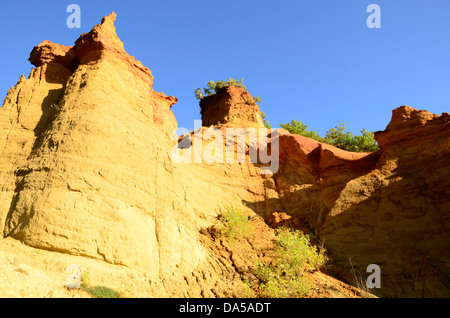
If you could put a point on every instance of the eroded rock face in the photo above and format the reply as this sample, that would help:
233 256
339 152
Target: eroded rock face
85 166
231 107
390 208
86 169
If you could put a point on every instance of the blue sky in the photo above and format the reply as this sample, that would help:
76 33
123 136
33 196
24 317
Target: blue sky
309 60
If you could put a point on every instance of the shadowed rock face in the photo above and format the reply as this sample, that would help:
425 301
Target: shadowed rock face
390 208
86 169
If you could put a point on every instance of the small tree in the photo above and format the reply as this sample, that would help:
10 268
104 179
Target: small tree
216 87
298 128
337 137
347 141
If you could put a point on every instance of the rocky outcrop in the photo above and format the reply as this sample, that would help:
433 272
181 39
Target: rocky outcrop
231 107
390 208
87 169
86 165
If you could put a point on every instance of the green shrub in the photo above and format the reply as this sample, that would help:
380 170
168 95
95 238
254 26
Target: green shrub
236 223
347 141
295 247
97 291
337 137
284 276
279 283
103 292
298 128
85 279
265 121
217 86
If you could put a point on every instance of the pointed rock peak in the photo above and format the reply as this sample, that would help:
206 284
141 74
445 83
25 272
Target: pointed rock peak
111 18
107 26
102 42
102 36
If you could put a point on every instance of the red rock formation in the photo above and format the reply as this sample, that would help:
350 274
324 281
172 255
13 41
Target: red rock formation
231 107
390 208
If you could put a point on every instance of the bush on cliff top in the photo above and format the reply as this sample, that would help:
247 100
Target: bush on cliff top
217 86
337 137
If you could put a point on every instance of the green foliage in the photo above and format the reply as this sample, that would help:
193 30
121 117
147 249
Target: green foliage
237 225
85 279
97 291
281 283
218 86
298 128
347 141
103 292
295 247
199 94
337 137
284 276
266 122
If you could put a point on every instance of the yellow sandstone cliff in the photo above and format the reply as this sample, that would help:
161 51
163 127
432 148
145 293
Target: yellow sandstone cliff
87 176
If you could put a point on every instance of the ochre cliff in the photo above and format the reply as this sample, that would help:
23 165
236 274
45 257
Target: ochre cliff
390 208
87 169
86 158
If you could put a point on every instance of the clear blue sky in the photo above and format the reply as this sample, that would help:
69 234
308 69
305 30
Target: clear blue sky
309 60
